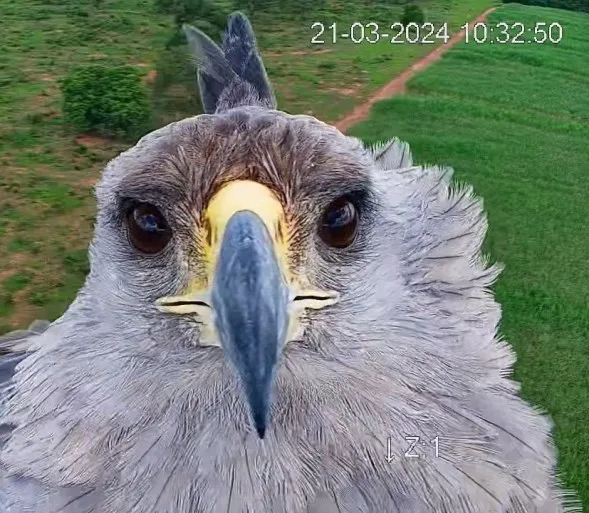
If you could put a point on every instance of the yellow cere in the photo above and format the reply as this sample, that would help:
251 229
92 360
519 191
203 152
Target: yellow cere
244 195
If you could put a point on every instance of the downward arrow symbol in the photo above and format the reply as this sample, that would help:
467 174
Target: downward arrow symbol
390 456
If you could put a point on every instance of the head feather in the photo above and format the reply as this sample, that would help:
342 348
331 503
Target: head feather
394 154
232 75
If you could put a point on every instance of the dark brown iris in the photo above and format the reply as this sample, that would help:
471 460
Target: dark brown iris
148 230
339 223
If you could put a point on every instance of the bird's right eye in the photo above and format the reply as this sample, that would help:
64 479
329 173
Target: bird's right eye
149 231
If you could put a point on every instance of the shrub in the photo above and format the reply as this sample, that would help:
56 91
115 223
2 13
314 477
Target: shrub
412 13
110 101
187 11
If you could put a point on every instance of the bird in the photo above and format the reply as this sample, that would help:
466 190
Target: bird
278 318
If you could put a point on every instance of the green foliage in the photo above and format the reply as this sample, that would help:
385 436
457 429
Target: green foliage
109 101
571 5
246 6
189 11
252 7
412 13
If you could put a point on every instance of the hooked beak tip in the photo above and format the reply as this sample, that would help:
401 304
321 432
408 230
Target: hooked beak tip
261 430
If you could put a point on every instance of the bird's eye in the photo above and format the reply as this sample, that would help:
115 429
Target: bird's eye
339 223
148 230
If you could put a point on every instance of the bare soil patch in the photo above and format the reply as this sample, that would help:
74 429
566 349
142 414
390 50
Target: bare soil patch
149 79
92 141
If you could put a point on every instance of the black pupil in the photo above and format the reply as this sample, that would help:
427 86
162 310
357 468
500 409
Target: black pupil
339 217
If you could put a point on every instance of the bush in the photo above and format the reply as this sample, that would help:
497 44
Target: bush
571 5
412 13
110 101
187 11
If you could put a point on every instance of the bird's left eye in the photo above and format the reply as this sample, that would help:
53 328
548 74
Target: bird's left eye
339 223
148 230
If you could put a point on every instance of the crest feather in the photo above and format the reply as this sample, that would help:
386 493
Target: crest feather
233 74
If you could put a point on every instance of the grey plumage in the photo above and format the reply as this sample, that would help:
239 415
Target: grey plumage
121 407
394 154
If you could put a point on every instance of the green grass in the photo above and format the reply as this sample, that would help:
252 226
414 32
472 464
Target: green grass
48 172
514 121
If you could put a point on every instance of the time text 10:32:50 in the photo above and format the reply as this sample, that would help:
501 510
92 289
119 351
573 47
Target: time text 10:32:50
428 33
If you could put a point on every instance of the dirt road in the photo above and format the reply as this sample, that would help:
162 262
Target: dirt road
397 85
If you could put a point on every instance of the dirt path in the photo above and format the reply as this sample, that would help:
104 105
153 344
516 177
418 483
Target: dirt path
397 85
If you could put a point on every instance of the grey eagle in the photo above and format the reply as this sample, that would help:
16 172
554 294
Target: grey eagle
278 319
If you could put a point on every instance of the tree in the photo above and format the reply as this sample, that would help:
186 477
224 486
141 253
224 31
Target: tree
412 13
109 101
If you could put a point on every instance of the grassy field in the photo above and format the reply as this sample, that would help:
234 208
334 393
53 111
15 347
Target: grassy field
514 121
47 172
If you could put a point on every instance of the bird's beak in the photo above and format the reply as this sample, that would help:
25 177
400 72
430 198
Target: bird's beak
250 301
